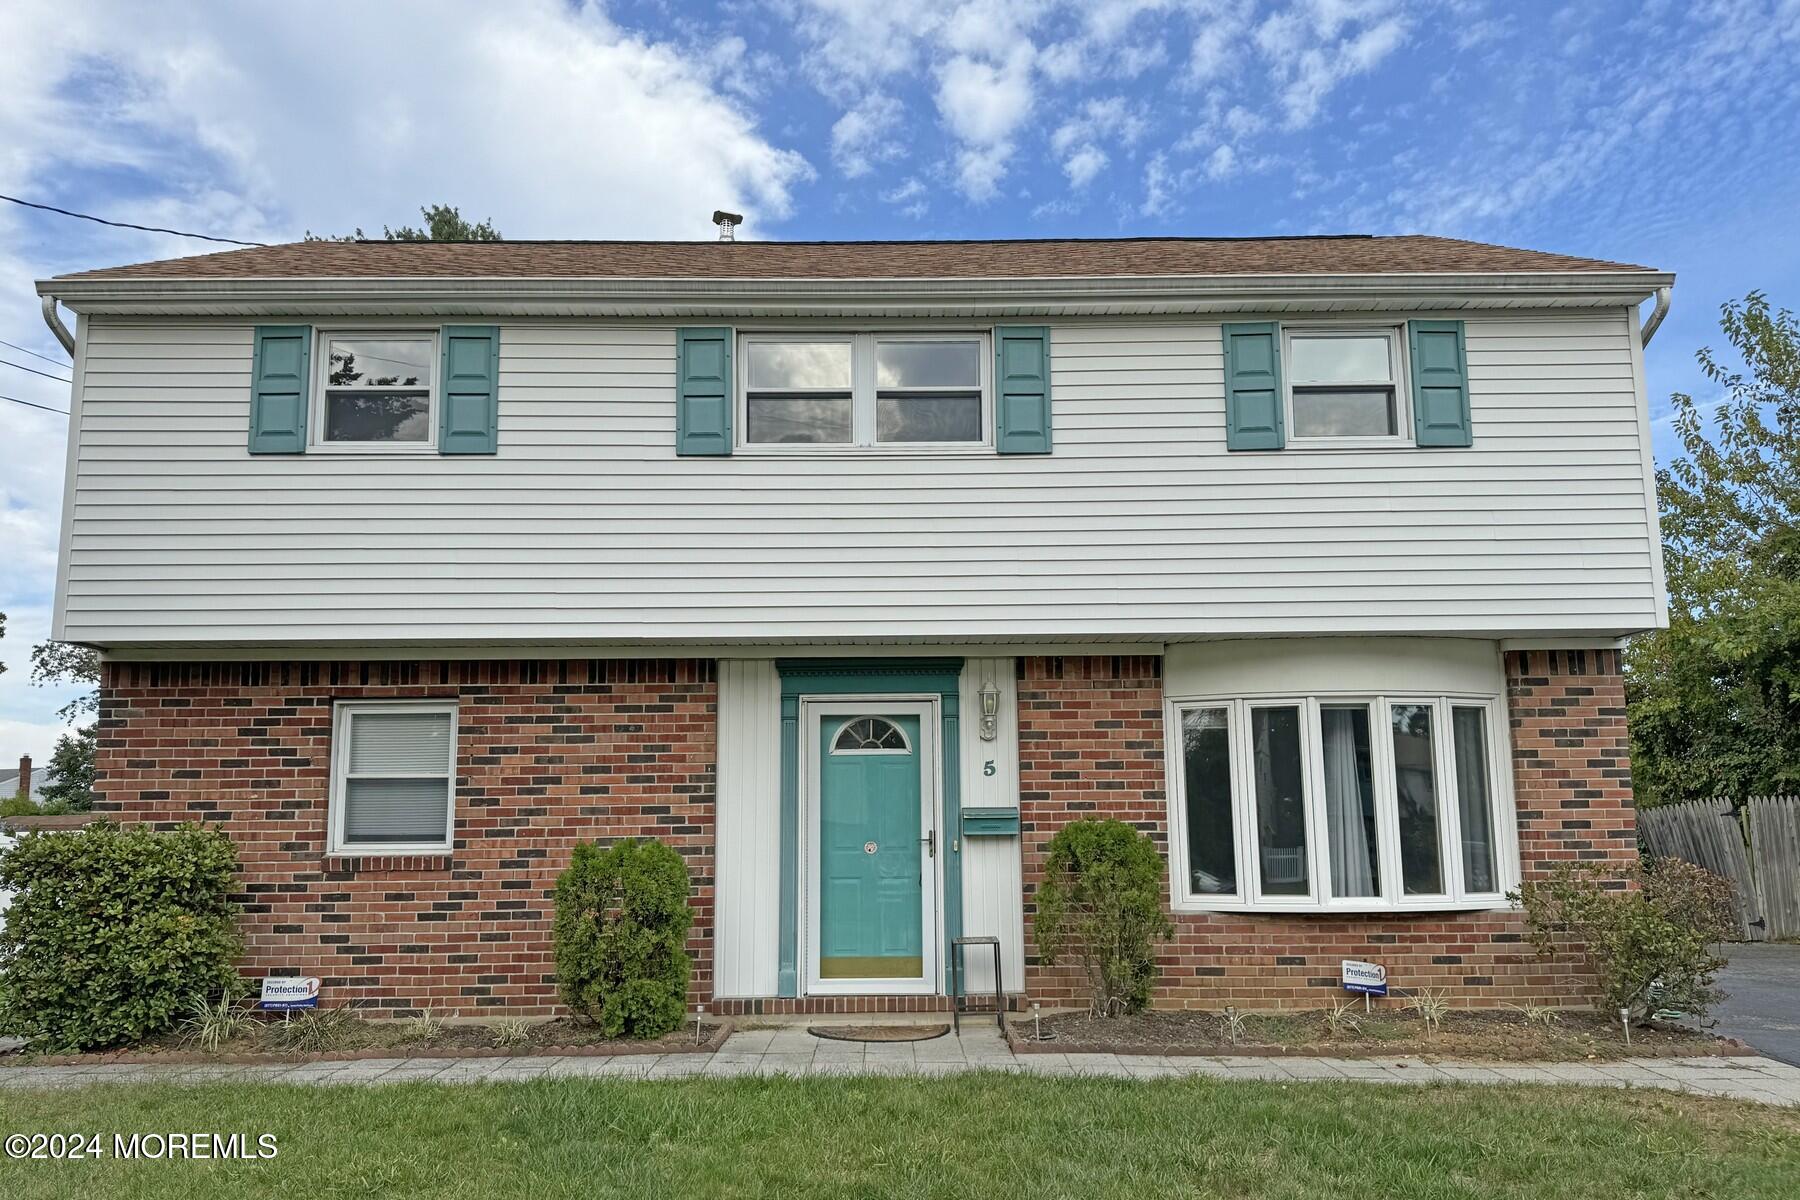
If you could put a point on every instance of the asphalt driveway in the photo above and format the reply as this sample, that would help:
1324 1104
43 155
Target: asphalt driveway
1764 1006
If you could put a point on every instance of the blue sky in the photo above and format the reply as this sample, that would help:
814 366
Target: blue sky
1652 132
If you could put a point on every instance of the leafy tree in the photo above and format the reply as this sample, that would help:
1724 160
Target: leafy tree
1715 698
443 223
69 785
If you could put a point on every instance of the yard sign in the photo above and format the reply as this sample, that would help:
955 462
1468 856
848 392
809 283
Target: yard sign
1370 979
283 992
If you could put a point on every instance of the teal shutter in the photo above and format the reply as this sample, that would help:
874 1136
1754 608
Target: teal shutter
703 396
1253 403
279 381
1440 383
469 411
1022 389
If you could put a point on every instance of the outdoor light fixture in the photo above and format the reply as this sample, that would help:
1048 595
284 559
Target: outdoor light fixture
990 712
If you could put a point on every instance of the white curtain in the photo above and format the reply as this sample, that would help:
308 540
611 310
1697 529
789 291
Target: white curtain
1351 871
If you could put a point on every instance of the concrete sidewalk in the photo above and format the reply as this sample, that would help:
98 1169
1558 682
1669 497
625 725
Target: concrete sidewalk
794 1051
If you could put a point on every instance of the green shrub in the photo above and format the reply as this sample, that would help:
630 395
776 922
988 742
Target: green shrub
622 920
1645 932
112 932
18 805
1102 901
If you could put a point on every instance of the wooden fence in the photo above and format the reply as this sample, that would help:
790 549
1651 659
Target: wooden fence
1756 845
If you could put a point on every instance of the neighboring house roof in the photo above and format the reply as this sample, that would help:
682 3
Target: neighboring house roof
9 784
1022 259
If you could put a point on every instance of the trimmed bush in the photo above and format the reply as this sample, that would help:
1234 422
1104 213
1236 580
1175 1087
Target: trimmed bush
1102 901
1645 932
622 920
113 932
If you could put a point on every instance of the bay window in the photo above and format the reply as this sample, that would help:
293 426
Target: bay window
1325 802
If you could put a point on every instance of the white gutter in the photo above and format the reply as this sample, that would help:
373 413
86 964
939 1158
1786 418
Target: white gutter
817 297
55 322
1656 315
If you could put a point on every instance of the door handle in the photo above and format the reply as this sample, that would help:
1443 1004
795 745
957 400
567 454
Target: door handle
930 840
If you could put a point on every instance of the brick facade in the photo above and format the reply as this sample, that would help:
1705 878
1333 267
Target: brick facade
1091 744
555 752
549 753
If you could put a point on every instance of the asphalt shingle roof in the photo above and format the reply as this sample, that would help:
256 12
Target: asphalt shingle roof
1049 258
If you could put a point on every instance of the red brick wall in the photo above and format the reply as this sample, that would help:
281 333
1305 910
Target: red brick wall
1091 744
549 753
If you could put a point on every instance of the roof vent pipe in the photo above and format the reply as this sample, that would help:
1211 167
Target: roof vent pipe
727 223
1656 316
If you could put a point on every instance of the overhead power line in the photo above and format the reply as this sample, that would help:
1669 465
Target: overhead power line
55 362
205 237
29 404
22 367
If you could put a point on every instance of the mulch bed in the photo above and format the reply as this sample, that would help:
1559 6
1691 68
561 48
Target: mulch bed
384 1039
1496 1035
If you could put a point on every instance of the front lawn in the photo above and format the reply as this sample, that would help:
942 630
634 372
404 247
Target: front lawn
978 1135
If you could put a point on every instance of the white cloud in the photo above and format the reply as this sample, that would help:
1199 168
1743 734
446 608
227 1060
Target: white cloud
1084 164
1080 140
909 197
1158 187
1222 163
983 103
867 134
548 117
1312 48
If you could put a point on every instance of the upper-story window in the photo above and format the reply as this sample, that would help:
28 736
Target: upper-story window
376 391
862 390
1344 383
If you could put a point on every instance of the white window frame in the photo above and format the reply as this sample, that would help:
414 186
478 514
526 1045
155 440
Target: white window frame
1403 420
863 393
323 336
1249 896
343 716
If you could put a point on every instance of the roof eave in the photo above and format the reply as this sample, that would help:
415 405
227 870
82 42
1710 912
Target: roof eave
824 297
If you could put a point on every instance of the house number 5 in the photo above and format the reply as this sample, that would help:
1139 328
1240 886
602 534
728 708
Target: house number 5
987 768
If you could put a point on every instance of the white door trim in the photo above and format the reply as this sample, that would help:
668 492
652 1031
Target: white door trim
812 710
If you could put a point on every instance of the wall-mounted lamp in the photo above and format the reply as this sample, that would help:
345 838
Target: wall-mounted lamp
990 712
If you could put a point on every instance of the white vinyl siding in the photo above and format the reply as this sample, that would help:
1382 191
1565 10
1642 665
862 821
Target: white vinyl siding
587 527
747 942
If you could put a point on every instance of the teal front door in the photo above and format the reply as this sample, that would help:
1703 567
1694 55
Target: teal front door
873 861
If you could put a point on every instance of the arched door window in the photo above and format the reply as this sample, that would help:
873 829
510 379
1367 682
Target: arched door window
870 735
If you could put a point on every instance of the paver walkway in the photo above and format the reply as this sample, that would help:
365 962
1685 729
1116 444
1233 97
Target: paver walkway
793 1051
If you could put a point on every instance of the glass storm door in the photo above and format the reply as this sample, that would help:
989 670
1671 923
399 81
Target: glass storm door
873 859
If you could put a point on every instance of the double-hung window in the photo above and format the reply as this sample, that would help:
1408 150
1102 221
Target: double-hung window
861 390
1344 384
376 391
1340 802
393 778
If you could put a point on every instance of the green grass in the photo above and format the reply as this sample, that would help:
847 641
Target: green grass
981 1136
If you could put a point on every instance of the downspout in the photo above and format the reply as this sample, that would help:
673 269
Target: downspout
54 321
1656 316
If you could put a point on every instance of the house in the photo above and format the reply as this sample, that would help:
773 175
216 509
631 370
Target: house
856 570
23 781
